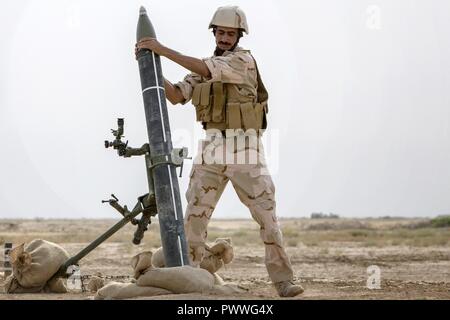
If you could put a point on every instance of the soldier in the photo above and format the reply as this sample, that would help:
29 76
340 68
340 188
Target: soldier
231 103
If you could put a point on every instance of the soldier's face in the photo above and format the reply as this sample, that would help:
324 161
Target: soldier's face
226 37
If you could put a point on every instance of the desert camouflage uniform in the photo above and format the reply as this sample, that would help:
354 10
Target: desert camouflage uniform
251 180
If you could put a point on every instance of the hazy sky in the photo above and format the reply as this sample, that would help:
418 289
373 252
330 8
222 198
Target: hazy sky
359 103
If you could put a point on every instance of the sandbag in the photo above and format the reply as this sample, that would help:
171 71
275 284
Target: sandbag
185 279
221 287
226 289
219 253
58 285
218 280
33 266
141 262
11 285
158 260
118 290
153 281
224 249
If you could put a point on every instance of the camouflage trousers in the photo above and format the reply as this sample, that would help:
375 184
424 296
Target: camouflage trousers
255 189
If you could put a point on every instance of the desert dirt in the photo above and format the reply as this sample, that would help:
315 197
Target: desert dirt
330 257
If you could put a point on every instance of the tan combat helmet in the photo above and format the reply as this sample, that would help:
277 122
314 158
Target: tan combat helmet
231 17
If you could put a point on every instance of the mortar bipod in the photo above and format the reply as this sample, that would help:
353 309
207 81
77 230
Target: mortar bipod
146 204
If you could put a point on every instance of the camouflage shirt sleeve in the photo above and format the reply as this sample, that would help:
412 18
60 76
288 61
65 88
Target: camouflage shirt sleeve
187 86
231 68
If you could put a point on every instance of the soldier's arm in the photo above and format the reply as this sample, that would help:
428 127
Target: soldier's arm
192 64
173 93
185 87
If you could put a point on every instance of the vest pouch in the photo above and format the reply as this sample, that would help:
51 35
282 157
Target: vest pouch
234 115
259 113
203 113
249 116
196 94
218 102
201 100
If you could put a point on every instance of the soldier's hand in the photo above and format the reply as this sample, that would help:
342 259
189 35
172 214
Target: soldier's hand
136 50
150 44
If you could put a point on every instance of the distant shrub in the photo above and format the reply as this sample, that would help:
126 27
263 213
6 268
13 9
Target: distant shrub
320 215
359 234
420 225
441 221
342 225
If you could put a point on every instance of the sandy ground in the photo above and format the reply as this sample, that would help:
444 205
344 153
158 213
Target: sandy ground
327 270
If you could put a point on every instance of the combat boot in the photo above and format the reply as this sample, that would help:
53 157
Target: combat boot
288 289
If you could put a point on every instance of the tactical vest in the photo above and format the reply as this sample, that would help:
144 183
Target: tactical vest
221 106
